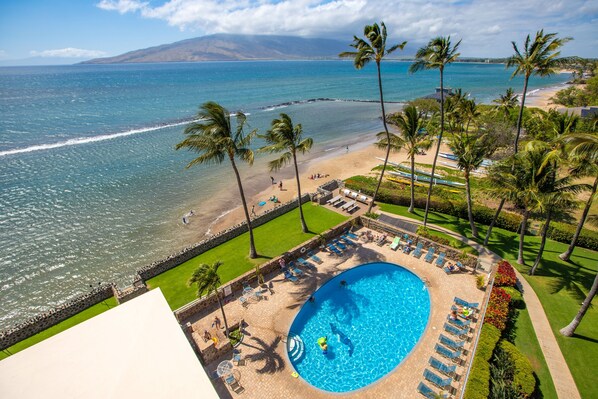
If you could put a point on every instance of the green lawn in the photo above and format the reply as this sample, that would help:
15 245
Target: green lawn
527 342
271 240
63 325
560 286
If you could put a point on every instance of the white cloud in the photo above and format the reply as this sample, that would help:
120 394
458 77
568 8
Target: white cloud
68 52
486 26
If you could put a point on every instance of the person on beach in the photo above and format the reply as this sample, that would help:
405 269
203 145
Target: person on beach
217 323
271 178
347 149
282 263
280 185
253 210
206 336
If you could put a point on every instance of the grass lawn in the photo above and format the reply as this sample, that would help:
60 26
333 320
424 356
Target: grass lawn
271 240
527 342
63 325
560 286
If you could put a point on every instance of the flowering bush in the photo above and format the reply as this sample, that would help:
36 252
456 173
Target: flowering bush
505 275
498 308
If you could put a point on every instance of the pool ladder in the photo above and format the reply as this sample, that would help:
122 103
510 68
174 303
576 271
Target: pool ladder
295 347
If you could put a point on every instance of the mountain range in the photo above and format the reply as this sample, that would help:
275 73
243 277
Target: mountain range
229 47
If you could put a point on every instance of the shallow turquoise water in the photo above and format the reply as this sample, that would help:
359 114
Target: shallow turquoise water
371 325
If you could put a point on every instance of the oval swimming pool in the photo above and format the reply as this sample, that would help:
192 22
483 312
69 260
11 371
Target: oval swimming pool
372 317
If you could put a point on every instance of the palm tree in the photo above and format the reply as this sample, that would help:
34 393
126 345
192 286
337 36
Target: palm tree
283 136
213 136
412 136
375 50
506 102
569 330
207 279
436 55
470 150
584 154
540 57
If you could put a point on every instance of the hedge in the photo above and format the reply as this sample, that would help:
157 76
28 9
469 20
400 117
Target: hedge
505 275
497 311
523 376
388 193
478 384
516 297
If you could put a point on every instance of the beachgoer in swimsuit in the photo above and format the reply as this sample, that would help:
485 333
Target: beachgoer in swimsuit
206 336
216 322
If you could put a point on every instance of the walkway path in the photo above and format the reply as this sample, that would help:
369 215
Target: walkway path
561 375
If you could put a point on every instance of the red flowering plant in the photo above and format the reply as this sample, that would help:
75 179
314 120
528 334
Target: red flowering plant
505 275
498 308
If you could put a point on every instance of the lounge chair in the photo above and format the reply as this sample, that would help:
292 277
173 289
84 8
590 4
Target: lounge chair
334 249
381 240
440 260
443 368
418 250
339 244
437 380
334 200
348 205
237 358
429 255
243 300
232 382
449 342
456 331
446 352
395 243
352 235
348 241
460 266
296 271
450 269
305 263
313 257
458 322
429 392
289 276
463 302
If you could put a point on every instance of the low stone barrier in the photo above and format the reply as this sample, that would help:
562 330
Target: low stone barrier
324 192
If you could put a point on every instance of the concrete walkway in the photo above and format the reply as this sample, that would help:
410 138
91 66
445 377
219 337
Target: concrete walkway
561 376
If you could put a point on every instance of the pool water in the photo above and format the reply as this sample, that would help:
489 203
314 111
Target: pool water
372 323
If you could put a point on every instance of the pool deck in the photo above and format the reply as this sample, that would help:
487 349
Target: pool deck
266 371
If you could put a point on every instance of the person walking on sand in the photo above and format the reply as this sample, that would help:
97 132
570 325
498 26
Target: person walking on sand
280 185
347 149
253 210
217 323
271 178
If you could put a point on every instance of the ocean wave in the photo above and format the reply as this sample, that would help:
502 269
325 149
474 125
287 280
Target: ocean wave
321 99
93 139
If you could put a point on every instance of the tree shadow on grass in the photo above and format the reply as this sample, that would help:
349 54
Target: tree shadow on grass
583 337
266 354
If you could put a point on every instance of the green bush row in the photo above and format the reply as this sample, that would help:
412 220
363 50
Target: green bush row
523 377
516 297
478 384
562 232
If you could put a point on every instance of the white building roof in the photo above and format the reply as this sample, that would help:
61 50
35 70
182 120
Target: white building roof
135 350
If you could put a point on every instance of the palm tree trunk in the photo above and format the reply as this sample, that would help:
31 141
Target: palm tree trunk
519 119
489 232
542 243
303 224
474 228
252 251
387 137
437 147
223 314
570 329
522 236
412 205
567 254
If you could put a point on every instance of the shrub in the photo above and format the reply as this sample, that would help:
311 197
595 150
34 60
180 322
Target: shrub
505 275
523 377
480 281
424 232
516 297
564 233
478 384
498 308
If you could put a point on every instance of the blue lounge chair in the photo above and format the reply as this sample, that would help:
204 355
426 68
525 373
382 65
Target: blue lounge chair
339 244
463 302
449 342
437 380
296 271
243 301
348 241
442 367
351 235
458 322
429 392
313 257
289 276
418 250
305 263
440 260
459 332
395 243
429 255
460 266
446 352
334 249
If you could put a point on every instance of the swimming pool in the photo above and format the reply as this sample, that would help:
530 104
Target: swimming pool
372 323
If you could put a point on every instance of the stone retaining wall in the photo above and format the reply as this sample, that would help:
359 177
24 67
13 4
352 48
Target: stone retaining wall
62 312
324 192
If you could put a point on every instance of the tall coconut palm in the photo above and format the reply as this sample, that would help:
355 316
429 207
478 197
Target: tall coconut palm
207 279
538 57
283 136
438 53
470 150
507 102
373 48
213 136
584 153
412 136
569 330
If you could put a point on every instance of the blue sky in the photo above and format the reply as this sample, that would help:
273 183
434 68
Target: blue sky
69 31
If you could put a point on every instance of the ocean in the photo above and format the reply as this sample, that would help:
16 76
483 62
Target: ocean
91 187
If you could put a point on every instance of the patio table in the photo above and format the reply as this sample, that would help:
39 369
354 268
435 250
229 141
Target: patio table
225 368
